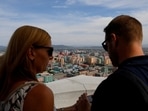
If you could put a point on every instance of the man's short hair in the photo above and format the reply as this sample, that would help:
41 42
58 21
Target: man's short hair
125 26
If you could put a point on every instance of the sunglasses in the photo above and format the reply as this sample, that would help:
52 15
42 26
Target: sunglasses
49 51
104 45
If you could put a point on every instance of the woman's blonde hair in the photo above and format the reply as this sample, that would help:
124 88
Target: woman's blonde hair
14 64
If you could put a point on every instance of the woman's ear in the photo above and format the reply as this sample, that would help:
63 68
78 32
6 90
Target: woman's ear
31 54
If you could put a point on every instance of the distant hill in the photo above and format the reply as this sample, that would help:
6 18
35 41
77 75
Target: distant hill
73 47
62 47
145 45
3 48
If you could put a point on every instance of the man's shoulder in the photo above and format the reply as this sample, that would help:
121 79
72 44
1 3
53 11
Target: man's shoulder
125 79
123 85
132 80
115 81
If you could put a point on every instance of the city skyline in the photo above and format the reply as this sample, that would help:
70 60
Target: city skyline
69 22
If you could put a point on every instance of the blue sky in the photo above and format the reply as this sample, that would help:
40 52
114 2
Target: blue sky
69 22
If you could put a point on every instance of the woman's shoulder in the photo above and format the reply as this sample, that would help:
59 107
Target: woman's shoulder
39 98
41 88
38 89
17 96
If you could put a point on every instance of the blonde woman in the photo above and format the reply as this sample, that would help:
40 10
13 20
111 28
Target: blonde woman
27 54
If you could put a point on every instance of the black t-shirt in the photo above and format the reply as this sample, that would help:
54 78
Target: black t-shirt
121 91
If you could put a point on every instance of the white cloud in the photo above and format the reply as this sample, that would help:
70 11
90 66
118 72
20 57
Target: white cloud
113 3
70 2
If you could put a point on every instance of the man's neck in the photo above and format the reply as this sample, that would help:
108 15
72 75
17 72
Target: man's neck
130 51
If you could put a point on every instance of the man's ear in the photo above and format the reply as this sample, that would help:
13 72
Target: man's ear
31 54
114 39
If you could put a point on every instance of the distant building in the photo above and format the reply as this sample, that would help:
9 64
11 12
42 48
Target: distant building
45 77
